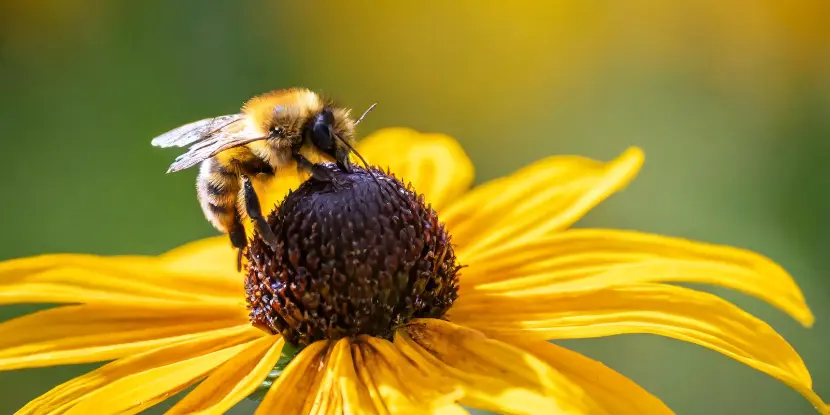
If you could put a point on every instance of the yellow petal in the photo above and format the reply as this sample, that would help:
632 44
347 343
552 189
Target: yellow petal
494 375
86 333
234 380
29 265
616 393
272 191
294 391
538 200
667 310
134 393
397 386
584 259
107 280
435 164
369 376
67 395
210 255
339 390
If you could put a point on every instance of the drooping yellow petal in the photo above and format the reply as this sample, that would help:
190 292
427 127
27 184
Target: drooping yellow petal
667 310
357 378
538 200
616 393
67 395
493 375
87 333
435 164
210 256
340 390
134 393
107 280
234 380
294 391
584 259
375 394
29 265
397 386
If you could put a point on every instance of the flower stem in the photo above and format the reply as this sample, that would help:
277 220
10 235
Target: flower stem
286 356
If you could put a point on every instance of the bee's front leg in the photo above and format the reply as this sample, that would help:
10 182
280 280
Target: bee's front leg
341 155
318 172
254 211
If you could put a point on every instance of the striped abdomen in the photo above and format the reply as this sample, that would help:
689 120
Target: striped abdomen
219 183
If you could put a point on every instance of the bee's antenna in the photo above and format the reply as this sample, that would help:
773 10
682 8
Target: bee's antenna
352 149
364 114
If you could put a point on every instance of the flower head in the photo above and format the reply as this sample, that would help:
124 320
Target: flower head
367 280
360 255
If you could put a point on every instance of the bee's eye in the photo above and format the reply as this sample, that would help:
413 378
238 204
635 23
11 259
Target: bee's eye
277 131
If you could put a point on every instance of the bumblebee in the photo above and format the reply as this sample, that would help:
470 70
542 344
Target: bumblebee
271 132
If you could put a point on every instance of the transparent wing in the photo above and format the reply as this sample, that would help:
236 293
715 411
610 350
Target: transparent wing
195 131
232 135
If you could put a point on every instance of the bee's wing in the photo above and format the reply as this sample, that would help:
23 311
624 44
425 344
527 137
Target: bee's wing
195 131
232 135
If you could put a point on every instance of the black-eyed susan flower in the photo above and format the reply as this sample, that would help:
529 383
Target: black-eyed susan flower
403 299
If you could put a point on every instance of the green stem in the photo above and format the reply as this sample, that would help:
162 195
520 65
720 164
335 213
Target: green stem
289 351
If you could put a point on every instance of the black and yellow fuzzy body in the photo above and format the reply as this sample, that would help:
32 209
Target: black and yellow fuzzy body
273 131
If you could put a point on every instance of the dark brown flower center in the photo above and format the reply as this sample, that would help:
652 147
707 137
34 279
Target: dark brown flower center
359 255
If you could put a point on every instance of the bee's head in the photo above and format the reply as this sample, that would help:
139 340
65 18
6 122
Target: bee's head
332 131
283 121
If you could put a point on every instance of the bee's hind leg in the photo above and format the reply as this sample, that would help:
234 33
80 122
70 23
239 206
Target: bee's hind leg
255 213
238 239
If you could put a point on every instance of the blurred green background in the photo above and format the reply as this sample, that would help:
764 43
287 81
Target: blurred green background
729 99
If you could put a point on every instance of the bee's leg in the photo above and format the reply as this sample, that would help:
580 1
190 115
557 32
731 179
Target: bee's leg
255 213
237 233
341 155
317 171
240 252
238 239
